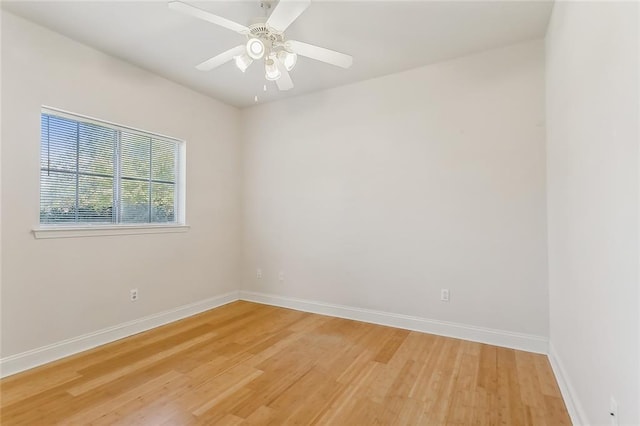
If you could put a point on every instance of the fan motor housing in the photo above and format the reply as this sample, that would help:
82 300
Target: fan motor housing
262 31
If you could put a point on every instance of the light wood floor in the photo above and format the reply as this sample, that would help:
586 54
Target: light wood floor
246 363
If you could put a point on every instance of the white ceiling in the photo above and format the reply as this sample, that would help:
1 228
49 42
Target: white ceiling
384 37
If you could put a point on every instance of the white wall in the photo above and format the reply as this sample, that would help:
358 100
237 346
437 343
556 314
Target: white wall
592 144
62 288
377 194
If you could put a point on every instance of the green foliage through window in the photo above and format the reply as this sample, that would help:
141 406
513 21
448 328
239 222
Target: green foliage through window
92 173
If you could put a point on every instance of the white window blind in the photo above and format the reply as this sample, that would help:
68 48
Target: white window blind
98 173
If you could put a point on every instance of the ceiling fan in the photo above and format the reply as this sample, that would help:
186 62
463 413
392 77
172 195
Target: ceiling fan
266 40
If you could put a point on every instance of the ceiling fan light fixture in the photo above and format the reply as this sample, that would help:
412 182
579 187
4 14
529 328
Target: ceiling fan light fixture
265 40
288 59
272 72
243 61
255 48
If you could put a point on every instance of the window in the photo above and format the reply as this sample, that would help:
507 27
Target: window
93 172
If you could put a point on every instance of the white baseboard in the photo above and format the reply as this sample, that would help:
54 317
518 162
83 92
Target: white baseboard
576 412
39 356
508 339
35 357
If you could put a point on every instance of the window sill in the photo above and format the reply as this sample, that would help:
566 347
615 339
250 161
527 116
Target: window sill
105 230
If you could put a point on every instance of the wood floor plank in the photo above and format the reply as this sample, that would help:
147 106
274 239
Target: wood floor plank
548 383
509 388
391 346
438 394
463 396
343 406
261 416
103 413
252 364
127 368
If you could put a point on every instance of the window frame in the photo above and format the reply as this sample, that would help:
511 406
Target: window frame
70 230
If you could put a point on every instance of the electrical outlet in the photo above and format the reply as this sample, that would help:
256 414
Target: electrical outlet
281 276
444 295
613 411
133 294
259 273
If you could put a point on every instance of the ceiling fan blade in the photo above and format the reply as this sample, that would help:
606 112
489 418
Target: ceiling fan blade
285 13
284 82
222 58
319 53
207 16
